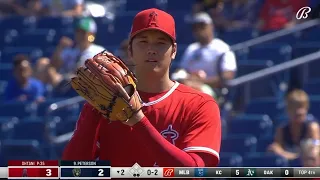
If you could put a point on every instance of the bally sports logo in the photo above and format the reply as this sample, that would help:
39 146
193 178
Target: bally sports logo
168 172
303 12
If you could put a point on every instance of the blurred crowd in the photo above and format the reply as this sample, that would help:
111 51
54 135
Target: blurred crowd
205 65
49 77
71 8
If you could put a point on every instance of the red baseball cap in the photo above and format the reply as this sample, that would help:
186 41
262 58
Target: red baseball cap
153 19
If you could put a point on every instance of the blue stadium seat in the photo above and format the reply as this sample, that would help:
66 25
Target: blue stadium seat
21 149
183 29
314 106
143 4
259 126
55 22
288 39
9 53
312 87
10 109
112 49
59 148
63 32
237 36
9 35
264 160
32 128
18 22
259 89
6 72
295 163
242 55
224 128
238 143
65 125
34 38
230 160
178 6
275 52
3 86
6 126
267 86
48 51
111 32
267 106
310 35
303 49
263 143
115 32
252 65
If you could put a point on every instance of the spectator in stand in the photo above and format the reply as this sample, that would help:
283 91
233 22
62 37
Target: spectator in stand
122 52
237 14
300 126
279 14
68 8
23 87
69 55
40 68
22 7
310 153
209 60
212 7
57 85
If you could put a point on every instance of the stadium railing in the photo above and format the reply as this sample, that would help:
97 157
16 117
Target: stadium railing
246 80
273 70
64 103
60 105
275 35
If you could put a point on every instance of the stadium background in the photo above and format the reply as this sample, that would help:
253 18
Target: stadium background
30 131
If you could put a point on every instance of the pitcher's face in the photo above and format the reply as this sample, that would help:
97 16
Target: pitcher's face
152 51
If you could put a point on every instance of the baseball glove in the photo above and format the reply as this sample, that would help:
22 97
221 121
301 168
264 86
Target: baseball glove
109 86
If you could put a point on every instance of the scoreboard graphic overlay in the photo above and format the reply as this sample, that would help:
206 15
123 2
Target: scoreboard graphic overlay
103 170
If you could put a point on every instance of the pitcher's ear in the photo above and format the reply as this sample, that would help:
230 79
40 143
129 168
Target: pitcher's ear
174 50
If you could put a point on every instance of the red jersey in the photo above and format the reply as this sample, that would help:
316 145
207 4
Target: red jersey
277 13
188 119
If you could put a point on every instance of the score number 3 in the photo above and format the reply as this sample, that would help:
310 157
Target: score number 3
48 172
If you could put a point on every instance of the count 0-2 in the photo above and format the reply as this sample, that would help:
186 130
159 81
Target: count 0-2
155 172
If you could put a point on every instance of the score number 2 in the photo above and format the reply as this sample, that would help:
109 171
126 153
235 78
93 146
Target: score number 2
101 172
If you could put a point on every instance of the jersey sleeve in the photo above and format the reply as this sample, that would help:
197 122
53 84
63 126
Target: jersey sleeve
204 132
229 62
83 143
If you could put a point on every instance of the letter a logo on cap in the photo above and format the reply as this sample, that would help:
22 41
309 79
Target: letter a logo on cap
153 19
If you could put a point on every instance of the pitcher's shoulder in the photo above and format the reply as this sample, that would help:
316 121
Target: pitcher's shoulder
189 93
